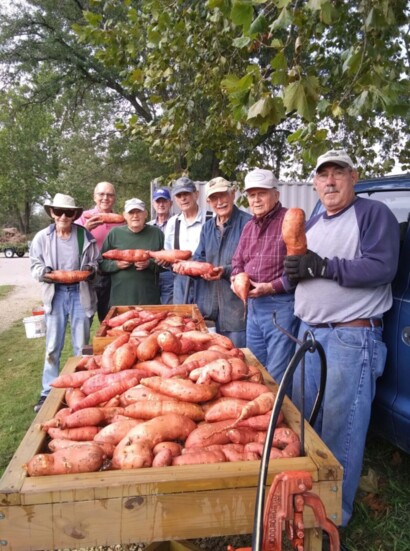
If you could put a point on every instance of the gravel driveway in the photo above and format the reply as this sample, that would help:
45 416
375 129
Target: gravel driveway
26 295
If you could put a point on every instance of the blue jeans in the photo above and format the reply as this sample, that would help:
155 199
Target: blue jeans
355 359
66 306
272 348
166 285
180 289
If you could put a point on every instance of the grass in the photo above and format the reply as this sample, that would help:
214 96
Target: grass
382 508
5 290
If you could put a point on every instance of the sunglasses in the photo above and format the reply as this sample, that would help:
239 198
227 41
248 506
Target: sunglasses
68 212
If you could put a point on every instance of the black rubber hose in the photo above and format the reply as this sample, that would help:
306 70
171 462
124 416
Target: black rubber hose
310 345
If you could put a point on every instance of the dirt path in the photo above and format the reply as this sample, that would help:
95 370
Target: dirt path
25 296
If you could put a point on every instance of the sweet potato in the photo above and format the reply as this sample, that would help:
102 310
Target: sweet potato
170 255
243 389
163 458
220 371
125 356
293 231
73 380
258 406
168 342
245 435
107 357
148 348
75 459
170 359
184 390
115 432
72 396
207 434
101 380
127 255
149 409
119 319
141 392
133 455
85 417
63 443
171 426
107 217
225 408
68 277
193 268
78 433
260 422
241 284
103 395
173 447
200 458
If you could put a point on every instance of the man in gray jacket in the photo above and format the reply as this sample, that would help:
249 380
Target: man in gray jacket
64 246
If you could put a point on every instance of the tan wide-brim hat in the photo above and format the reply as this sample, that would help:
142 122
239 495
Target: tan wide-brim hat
61 201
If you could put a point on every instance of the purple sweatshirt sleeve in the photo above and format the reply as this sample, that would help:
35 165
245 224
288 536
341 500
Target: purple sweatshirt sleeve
379 242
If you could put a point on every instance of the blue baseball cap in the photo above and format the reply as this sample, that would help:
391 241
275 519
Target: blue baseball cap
183 185
161 193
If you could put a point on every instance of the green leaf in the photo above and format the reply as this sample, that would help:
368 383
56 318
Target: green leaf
259 25
315 5
279 61
282 22
265 112
93 19
242 13
241 42
297 98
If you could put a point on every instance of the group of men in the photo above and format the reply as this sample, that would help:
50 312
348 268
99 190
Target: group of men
339 290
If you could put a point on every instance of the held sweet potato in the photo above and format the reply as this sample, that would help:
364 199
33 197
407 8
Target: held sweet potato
293 231
107 217
75 459
128 255
170 255
68 277
240 285
193 268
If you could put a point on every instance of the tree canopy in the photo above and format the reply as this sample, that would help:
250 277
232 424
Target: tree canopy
220 85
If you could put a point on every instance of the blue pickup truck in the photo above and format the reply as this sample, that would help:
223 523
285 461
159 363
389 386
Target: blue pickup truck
391 407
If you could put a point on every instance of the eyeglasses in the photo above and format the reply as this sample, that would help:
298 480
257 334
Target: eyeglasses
338 174
68 212
110 195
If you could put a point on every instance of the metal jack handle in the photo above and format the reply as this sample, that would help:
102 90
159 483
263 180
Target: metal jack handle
311 345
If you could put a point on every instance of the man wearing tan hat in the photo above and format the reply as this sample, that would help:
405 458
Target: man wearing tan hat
218 240
138 282
64 246
260 254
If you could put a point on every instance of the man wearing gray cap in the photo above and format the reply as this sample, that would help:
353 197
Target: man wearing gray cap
133 282
183 231
260 254
218 241
343 289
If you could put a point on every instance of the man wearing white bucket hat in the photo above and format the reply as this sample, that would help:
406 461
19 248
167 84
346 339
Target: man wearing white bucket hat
64 246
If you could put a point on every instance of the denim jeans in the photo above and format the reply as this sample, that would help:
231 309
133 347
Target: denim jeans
180 289
355 359
166 285
272 348
66 306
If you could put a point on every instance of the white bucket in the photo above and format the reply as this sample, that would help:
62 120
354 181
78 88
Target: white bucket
210 325
35 327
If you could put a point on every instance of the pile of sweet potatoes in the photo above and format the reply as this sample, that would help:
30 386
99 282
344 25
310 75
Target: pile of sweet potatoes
161 399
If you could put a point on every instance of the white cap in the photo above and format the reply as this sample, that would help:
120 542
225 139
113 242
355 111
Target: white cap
335 156
259 177
134 203
217 185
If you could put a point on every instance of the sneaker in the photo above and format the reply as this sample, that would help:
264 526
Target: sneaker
41 401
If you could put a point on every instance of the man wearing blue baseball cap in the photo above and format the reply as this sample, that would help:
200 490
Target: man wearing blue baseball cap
162 204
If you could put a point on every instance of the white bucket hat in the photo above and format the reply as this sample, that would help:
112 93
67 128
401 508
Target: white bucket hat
62 201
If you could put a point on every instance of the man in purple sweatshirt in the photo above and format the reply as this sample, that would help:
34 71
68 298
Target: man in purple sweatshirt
343 289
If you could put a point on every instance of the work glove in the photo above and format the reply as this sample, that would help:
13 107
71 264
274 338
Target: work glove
304 266
44 277
91 269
